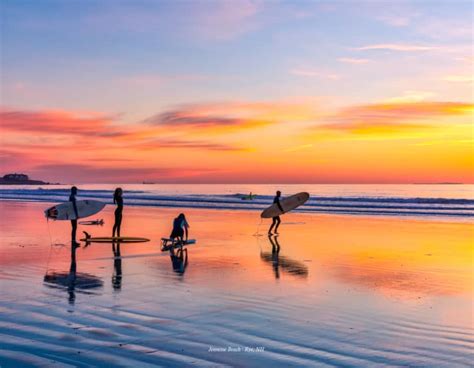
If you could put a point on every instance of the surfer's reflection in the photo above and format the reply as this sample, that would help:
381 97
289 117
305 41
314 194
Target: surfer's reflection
72 281
179 259
282 263
117 276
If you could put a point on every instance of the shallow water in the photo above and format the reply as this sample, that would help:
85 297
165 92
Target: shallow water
341 291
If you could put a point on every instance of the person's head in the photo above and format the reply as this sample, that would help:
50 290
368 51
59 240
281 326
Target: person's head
117 194
181 216
74 190
278 193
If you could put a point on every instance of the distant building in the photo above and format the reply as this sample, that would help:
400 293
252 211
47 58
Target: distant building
19 179
15 177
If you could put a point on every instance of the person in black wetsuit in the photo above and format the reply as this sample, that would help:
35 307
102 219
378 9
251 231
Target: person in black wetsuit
276 220
118 200
180 228
72 198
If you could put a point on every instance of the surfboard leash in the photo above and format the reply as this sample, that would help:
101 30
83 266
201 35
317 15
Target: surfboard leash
257 233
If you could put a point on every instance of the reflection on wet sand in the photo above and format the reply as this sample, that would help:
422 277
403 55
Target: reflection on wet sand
72 281
117 275
179 260
284 263
344 309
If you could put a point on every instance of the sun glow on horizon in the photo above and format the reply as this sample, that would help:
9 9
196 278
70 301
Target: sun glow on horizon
236 94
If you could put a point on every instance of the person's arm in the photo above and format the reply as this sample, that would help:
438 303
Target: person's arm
279 205
186 226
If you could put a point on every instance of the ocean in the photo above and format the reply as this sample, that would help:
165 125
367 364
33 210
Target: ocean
413 200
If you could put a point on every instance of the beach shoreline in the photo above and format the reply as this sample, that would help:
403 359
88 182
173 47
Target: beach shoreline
339 290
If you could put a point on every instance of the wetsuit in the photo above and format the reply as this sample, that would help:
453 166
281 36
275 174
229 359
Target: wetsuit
178 228
118 215
276 220
72 198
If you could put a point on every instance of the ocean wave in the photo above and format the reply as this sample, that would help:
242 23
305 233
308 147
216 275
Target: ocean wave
363 205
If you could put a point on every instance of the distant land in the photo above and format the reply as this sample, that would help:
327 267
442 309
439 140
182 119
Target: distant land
20 179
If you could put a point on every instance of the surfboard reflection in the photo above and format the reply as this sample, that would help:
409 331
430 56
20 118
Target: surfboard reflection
72 281
282 263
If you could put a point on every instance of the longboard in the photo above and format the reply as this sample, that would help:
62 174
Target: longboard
288 204
65 211
168 244
115 239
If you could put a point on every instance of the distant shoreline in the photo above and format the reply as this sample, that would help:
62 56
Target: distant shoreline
28 182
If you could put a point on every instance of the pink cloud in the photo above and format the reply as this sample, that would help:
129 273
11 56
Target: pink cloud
398 47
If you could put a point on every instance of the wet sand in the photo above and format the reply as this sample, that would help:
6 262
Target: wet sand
329 291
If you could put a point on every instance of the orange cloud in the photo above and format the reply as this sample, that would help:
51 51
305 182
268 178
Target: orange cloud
77 172
246 142
59 122
396 116
232 116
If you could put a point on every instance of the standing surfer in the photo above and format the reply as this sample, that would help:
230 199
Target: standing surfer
72 198
276 219
118 200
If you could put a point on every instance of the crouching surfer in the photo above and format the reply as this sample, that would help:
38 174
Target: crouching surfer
180 229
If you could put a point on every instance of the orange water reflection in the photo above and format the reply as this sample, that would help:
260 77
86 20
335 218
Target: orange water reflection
391 257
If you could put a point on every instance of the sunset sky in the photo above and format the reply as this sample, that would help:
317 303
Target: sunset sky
237 91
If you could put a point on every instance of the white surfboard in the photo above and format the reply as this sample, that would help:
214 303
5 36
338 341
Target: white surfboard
65 211
288 204
168 244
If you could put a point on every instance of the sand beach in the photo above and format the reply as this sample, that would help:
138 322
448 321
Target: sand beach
340 291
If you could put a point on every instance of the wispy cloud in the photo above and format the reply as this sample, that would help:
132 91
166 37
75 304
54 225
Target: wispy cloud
403 47
411 96
156 144
190 118
391 117
353 60
459 78
312 73
205 20
59 122
235 115
78 173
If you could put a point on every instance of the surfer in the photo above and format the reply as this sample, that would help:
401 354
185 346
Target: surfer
276 220
118 200
180 228
72 198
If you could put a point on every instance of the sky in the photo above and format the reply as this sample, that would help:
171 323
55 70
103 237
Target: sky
237 91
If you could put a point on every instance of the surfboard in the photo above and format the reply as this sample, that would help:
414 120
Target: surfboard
288 204
167 244
116 239
92 222
65 211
